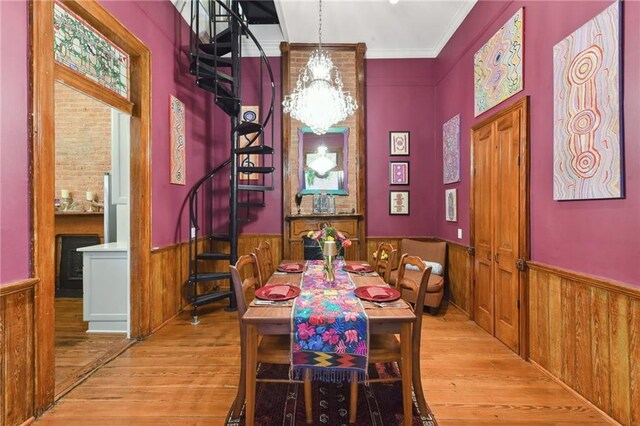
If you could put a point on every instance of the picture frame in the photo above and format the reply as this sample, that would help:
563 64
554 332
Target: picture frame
398 173
177 142
451 205
399 203
399 143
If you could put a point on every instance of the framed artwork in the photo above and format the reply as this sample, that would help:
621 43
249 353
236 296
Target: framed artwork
498 66
451 150
587 133
451 205
398 173
399 202
177 141
252 115
398 143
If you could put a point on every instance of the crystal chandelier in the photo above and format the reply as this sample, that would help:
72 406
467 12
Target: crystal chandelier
318 100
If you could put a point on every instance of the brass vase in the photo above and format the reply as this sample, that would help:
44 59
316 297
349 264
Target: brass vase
329 252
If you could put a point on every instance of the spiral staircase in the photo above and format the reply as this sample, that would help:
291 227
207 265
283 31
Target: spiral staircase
218 27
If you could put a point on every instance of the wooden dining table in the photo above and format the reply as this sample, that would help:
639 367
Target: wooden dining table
276 320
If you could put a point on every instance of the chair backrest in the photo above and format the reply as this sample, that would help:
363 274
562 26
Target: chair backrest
419 288
246 266
382 262
432 251
264 258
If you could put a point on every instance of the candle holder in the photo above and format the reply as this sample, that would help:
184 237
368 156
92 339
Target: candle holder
66 203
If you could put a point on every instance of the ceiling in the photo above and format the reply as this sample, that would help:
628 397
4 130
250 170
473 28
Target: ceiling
408 29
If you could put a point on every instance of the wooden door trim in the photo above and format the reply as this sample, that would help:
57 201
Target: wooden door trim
523 213
42 177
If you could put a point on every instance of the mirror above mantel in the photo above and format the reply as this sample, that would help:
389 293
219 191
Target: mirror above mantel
342 170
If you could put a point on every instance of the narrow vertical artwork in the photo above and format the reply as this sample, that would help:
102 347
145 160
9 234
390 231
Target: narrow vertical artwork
587 142
498 65
451 150
451 205
177 145
250 114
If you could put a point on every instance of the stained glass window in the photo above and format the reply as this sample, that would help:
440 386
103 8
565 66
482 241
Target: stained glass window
83 49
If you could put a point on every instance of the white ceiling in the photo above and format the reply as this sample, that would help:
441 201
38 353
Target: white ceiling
408 29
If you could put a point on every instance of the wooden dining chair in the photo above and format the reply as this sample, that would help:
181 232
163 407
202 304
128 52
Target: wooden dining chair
266 266
382 260
271 349
386 347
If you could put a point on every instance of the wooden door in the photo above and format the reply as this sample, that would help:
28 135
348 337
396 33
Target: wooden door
483 264
500 227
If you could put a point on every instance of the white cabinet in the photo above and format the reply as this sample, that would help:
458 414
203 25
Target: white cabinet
105 284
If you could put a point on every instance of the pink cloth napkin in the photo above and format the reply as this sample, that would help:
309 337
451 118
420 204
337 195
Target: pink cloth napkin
292 267
377 292
278 290
358 268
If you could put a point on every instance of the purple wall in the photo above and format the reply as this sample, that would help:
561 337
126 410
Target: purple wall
593 237
400 96
14 142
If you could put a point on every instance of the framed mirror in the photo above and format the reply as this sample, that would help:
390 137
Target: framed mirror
323 161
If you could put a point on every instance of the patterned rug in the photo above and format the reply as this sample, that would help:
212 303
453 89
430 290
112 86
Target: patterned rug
379 404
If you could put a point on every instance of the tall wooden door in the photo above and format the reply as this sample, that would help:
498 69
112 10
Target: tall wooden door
500 222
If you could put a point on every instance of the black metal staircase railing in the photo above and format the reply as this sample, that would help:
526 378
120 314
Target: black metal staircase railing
216 52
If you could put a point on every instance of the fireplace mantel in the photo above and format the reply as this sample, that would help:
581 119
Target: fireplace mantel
300 225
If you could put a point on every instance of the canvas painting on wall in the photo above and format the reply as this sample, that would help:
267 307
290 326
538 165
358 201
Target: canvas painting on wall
398 173
398 143
587 134
250 114
498 65
451 150
399 202
177 141
451 205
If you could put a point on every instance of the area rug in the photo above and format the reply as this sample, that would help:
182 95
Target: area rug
379 404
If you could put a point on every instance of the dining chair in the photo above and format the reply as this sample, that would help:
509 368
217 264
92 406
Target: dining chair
386 347
271 349
264 257
382 260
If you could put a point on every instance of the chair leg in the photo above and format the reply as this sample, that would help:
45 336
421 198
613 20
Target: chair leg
307 395
353 402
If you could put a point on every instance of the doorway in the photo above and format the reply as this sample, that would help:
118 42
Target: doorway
500 223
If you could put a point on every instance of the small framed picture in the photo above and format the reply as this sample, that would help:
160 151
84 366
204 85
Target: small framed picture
451 205
398 173
398 143
399 202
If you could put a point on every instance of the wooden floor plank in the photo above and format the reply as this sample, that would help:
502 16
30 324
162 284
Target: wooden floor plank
187 375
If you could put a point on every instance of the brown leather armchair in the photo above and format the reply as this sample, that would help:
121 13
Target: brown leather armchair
432 251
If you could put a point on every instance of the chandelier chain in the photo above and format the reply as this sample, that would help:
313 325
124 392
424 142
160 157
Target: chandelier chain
320 24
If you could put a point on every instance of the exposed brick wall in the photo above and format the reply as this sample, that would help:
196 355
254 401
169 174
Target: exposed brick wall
345 61
83 143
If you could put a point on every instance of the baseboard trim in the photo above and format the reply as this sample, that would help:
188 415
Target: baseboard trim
574 393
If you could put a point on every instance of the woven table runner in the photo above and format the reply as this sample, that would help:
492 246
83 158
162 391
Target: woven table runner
329 327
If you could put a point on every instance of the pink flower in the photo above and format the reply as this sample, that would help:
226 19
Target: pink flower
305 331
340 235
351 336
346 243
350 316
316 319
330 336
316 235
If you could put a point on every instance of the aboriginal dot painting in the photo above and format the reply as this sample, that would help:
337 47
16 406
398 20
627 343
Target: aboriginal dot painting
498 66
587 154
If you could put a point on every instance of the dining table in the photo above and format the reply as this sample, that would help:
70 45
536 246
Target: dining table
275 319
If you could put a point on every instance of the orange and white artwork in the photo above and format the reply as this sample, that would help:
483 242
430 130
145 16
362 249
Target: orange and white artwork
177 141
587 154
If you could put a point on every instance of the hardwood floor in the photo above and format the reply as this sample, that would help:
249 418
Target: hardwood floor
186 374
76 351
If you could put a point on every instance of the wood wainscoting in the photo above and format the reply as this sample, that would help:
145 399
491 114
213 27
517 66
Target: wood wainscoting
585 331
169 294
17 356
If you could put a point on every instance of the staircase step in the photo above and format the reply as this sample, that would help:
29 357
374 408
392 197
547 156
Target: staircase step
211 297
255 188
213 256
251 204
248 127
224 36
253 169
257 149
207 71
220 237
230 106
213 60
219 48
209 276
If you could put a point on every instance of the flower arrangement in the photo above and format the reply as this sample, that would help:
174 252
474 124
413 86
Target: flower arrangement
329 233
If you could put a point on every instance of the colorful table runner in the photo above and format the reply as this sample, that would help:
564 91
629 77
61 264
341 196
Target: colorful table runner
329 327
